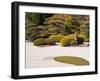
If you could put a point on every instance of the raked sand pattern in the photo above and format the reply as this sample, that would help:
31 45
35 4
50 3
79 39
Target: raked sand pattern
38 57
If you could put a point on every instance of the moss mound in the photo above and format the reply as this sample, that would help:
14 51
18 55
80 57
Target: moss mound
72 60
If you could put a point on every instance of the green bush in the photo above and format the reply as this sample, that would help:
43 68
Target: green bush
71 36
44 41
72 42
86 39
56 38
80 40
82 36
49 41
39 41
68 40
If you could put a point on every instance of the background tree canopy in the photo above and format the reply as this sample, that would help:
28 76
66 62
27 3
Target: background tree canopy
43 25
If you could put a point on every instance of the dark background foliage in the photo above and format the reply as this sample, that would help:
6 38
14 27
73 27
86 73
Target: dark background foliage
43 25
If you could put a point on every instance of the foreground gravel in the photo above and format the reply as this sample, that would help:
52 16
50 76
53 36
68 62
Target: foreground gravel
37 57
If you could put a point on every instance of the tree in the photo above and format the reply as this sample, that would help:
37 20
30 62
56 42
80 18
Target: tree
34 25
42 25
56 24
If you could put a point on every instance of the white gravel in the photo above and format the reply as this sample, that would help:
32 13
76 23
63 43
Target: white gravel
37 57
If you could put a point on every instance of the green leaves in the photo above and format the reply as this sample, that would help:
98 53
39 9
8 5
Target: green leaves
43 25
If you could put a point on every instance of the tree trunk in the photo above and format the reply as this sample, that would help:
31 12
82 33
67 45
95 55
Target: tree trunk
75 37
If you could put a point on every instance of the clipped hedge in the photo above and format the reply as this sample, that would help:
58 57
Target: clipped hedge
72 42
68 40
44 41
86 39
49 41
39 41
81 38
57 38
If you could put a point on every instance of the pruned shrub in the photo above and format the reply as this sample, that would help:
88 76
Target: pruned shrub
56 38
86 39
71 36
72 42
39 41
67 41
81 38
44 41
49 41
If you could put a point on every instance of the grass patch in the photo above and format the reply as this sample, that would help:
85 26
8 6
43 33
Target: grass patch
72 60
